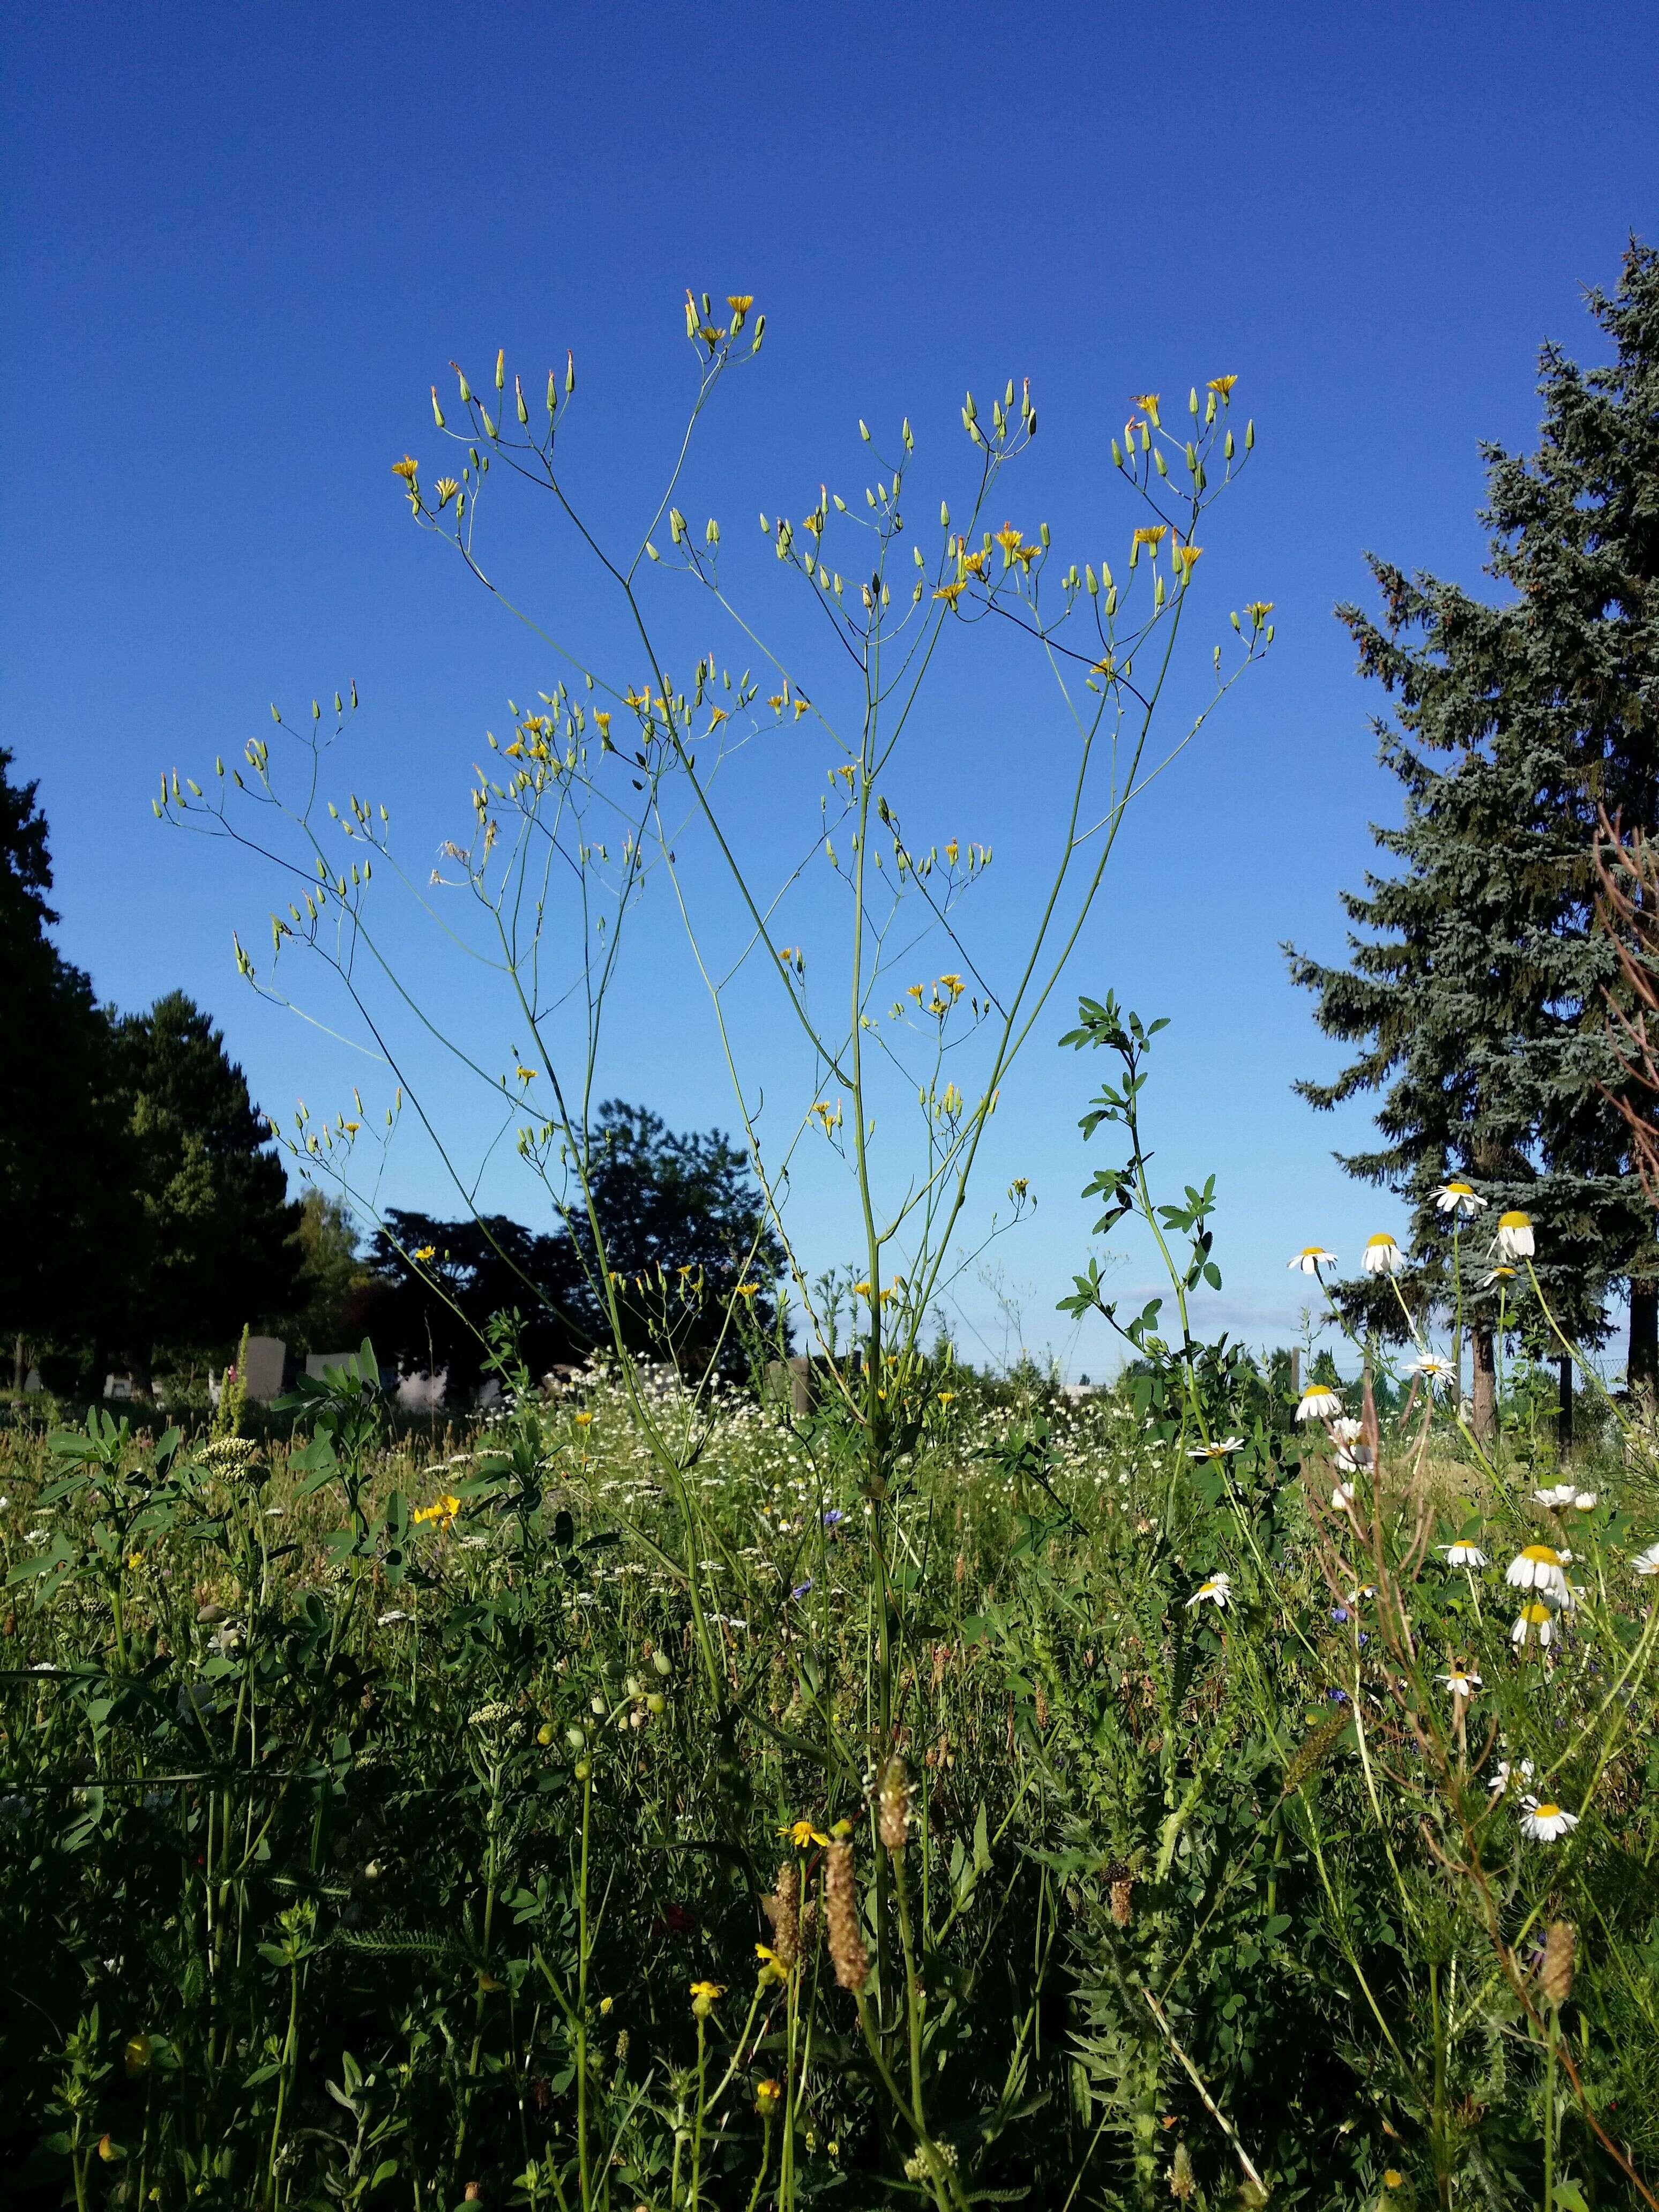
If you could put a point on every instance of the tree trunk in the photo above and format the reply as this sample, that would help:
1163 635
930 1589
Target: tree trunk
1483 1406
1564 1418
19 1365
1642 1365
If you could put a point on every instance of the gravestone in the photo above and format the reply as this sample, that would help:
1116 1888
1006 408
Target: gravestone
319 1363
263 1374
422 1394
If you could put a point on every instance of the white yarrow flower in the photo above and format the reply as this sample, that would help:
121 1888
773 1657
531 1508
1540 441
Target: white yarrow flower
1457 1198
1383 1256
1547 1821
1311 1258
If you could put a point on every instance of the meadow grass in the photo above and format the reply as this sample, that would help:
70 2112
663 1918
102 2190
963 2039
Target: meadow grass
446 1851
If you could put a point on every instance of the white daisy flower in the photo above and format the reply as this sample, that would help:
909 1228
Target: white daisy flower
1647 1563
1366 1589
1464 1555
1540 1568
1217 1590
1342 1497
1319 1402
1504 1772
1430 1363
1583 1501
1345 1429
1381 1255
1217 1450
1311 1258
1536 1619
1545 1822
1457 1198
1460 1681
1495 1276
1515 1236
1559 1493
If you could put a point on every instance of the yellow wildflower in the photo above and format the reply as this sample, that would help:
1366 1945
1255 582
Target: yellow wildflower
408 469
426 1252
747 1289
1187 558
740 302
1148 403
1152 534
1223 385
584 1419
949 592
442 1511
801 1834
1008 538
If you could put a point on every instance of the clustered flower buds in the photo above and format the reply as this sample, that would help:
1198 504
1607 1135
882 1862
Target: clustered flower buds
840 1905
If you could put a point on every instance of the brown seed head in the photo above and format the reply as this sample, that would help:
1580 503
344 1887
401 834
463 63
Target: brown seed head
1555 1975
782 1908
1182 2183
1123 1894
893 1805
840 1910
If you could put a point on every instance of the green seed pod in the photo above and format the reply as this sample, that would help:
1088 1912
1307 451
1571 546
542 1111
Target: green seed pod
1042 533
552 393
466 389
500 368
864 429
944 516
518 394
1161 465
489 427
1249 435
569 373
437 411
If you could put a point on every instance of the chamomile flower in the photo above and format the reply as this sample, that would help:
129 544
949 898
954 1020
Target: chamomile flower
1545 1821
1216 1591
1515 1236
1319 1402
1458 1198
1647 1563
1559 1493
1459 1682
1381 1255
1536 1619
1495 1277
1311 1258
1431 1366
1541 1568
1463 1554
1583 1501
1342 1497
1503 1774
1216 1450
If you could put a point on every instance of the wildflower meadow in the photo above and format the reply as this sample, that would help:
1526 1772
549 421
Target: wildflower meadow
771 1761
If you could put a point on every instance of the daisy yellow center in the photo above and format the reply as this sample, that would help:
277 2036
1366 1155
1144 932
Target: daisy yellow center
1543 1554
1548 1812
1536 1613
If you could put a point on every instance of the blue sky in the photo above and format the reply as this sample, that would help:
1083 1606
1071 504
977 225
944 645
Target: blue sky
241 243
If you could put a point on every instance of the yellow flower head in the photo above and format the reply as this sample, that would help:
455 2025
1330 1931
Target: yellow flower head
768 2095
1187 558
1152 534
442 1511
1148 403
603 719
1009 538
747 1289
426 1252
946 1397
446 489
801 1834
949 592
408 469
704 1998
740 302
583 1420
1223 385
